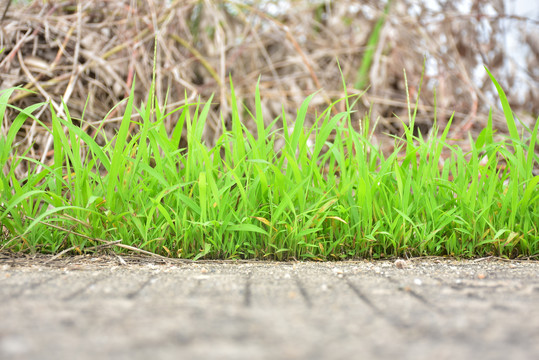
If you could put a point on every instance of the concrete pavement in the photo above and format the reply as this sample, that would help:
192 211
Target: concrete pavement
429 309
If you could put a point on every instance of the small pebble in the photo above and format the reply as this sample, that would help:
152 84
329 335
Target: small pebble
400 264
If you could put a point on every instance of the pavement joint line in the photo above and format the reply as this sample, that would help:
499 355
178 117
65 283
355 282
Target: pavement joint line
362 296
145 284
462 286
393 321
32 286
471 285
247 290
303 291
81 290
195 290
408 290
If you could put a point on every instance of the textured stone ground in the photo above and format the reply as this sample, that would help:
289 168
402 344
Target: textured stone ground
429 309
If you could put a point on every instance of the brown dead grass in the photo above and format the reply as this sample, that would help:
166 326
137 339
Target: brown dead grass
88 53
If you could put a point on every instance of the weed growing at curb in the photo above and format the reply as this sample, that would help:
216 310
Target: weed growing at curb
243 198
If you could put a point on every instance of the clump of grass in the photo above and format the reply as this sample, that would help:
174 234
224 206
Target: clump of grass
241 198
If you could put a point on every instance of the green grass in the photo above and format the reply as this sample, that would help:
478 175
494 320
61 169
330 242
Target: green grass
362 76
241 198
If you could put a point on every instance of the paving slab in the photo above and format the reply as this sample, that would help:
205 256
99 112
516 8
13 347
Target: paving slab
79 308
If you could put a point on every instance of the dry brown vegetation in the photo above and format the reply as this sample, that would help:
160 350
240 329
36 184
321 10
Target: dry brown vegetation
89 52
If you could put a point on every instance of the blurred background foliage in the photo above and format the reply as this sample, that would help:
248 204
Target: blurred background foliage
88 53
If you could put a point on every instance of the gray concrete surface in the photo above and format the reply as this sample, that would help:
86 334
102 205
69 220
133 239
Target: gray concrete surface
430 309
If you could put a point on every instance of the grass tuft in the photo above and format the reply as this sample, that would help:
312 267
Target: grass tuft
243 199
